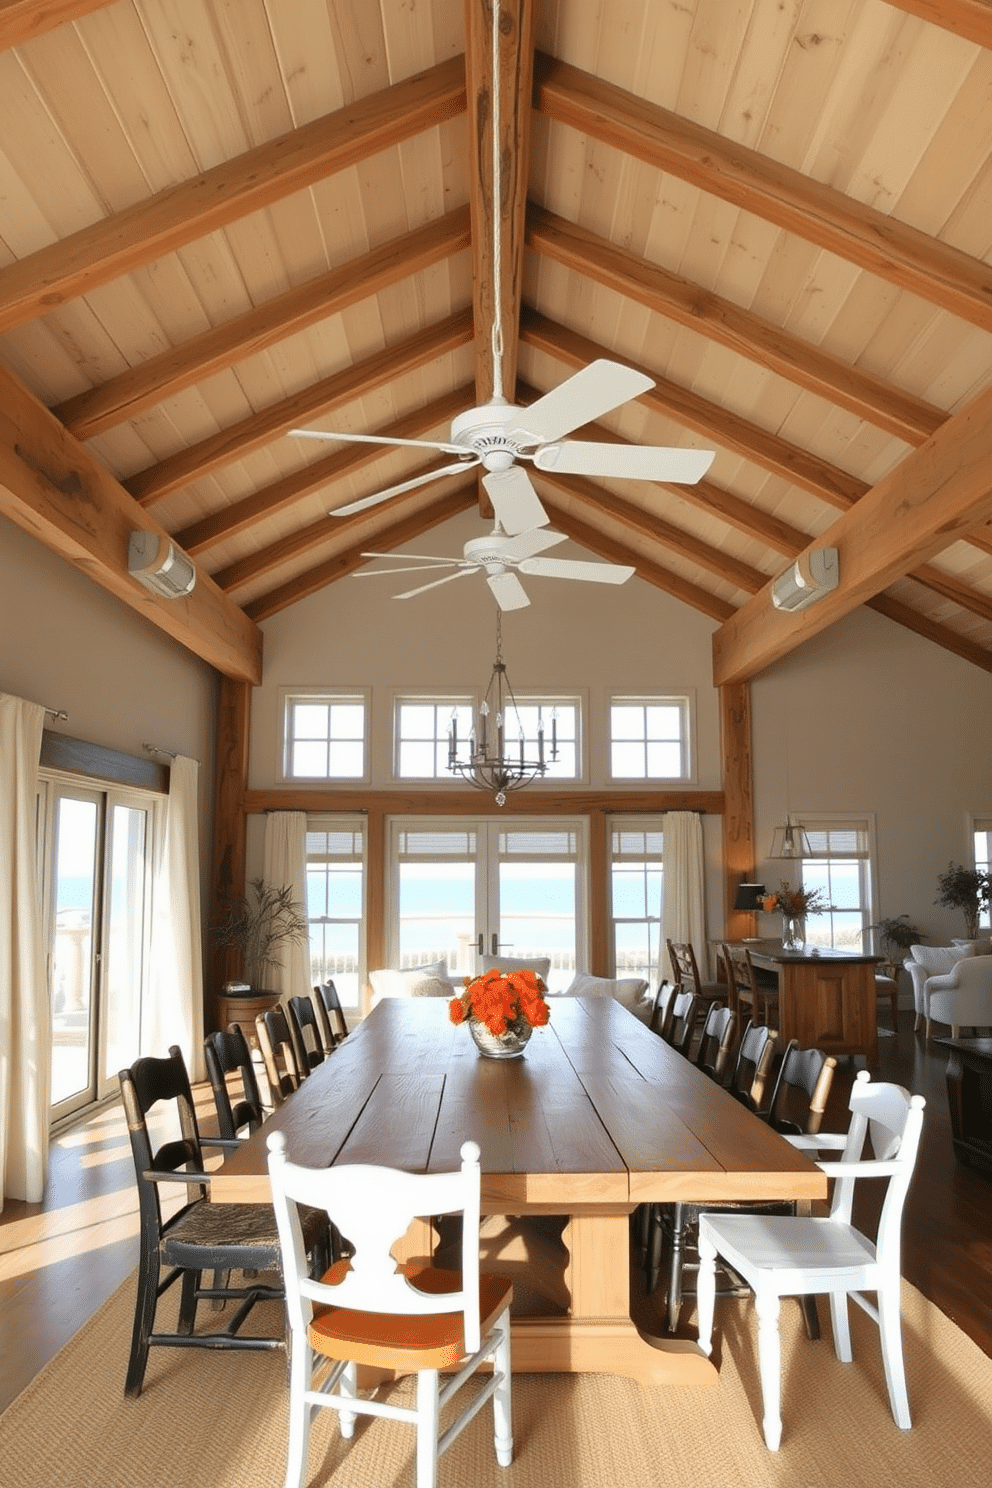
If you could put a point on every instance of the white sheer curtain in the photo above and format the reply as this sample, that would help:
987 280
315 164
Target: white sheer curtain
683 910
285 862
173 1010
25 1009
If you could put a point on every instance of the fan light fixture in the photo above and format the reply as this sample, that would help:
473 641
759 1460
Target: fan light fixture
493 763
790 841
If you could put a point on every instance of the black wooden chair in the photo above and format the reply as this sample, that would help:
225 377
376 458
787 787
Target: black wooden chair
201 1236
275 1040
716 1042
330 1015
680 1021
228 1054
305 1029
753 1065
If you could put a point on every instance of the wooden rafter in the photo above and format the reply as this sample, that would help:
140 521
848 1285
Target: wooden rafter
23 20
241 439
938 273
180 214
505 217
53 488
929 501
342 564
971 19
861 393
348 460
121 398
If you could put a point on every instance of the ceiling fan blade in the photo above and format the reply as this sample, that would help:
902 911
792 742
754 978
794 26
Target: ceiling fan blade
508 590
468 569
625 461
526 544
449 449
515 502
408 485
592 392
387 573
425 557
567 568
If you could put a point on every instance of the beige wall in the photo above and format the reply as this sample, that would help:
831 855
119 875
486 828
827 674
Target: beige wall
66 643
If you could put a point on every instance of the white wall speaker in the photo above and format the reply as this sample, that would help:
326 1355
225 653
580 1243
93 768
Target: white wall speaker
158 564
812 576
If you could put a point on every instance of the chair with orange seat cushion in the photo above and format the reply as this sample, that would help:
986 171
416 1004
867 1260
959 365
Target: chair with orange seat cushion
370 1311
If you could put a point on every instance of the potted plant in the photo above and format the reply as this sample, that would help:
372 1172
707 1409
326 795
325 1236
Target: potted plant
256 923
897 934
967 889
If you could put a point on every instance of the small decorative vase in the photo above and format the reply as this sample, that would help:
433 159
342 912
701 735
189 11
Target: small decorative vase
508 1045
793 933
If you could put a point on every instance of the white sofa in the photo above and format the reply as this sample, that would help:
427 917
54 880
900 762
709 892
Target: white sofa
951 985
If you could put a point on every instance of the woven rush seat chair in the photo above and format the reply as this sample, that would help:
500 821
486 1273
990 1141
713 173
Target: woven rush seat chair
304 1026
330 1015
201 1236
227 1053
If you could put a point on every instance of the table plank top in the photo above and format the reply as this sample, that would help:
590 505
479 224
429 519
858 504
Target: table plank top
599 1113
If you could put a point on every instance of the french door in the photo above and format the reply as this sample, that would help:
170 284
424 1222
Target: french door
463 888
97 877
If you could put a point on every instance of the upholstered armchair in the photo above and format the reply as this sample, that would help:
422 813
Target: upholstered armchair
928 961
962 997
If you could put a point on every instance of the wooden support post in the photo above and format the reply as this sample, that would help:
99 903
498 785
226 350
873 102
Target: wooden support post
738 795
230 828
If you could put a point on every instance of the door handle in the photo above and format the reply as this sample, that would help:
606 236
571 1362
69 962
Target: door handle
495 943
482 943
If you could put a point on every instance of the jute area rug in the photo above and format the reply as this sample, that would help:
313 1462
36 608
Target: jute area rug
217 1420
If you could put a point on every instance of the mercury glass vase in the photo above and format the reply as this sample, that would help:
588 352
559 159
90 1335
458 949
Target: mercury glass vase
793 933
508 1045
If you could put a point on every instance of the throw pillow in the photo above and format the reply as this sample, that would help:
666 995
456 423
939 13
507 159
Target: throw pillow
540 964
631 992
418 981
939 960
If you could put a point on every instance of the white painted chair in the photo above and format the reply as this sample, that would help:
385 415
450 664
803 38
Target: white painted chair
799 1256
370 1311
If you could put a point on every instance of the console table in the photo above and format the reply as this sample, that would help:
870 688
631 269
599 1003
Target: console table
826 999
969 1096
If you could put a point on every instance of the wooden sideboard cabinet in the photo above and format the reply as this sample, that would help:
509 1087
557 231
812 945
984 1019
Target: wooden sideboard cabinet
969 1096
827 999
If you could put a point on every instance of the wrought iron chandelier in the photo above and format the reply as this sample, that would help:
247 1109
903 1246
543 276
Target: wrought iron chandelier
497 752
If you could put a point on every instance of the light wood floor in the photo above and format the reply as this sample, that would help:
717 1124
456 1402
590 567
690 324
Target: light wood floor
59 1260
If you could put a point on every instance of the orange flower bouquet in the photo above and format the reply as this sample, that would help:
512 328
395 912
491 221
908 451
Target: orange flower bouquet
504 1001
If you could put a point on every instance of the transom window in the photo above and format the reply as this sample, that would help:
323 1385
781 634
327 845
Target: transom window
326 738
649 738
422 729
561 724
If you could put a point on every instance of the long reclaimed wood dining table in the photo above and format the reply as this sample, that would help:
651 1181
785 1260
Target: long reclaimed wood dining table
598 1116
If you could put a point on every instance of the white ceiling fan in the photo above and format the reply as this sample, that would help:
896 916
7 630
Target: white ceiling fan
500 557
498 434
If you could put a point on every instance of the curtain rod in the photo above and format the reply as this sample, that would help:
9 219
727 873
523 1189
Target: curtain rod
58 713
154 749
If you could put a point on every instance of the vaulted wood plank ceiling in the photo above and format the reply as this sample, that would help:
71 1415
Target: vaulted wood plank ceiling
220 223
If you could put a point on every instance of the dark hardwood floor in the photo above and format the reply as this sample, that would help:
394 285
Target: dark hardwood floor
59 1260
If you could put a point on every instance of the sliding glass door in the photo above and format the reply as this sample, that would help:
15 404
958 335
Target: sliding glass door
462 889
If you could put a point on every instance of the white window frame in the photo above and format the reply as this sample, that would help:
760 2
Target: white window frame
684 703
330 823
650 826
443 706
867 863
305 697
981 826
549 702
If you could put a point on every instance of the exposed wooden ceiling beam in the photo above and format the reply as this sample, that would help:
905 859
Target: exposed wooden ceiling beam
652 573
23 20
798 466
53 488
924 505
498 226
971 19
342 564
233 443
861 393
121 398
938 273
645 527
348 460
941 635
191 209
